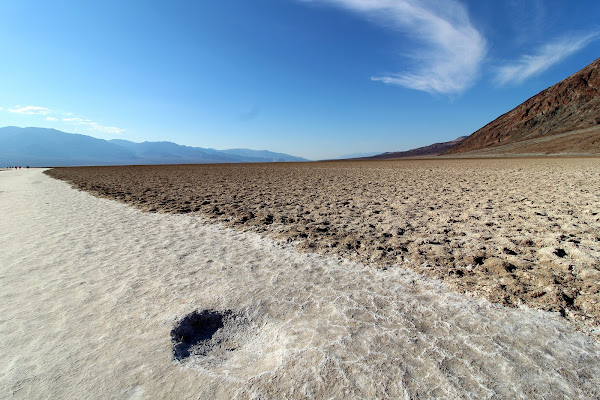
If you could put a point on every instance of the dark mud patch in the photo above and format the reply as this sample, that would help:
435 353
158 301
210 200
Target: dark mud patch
209 334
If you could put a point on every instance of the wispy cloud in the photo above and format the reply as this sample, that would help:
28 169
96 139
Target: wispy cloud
545 57
94 125
55 116
30 110
450 49
107 129
78 120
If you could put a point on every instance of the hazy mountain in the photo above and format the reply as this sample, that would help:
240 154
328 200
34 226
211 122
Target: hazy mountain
565 118
357 155
50 147
172 153
262 154
425 151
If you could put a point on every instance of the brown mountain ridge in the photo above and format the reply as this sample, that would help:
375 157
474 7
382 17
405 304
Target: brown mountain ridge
565 118
425 151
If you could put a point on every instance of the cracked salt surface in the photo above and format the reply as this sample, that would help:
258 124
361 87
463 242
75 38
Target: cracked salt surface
92 291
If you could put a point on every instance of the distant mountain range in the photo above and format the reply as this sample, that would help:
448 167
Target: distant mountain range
41 147
425 151
357 155
563 119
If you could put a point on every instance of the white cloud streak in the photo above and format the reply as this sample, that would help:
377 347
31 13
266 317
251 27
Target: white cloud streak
94 125
544 58
450 49
30 110
43 111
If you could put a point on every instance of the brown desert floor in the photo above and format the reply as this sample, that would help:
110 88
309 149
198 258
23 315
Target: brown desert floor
516 231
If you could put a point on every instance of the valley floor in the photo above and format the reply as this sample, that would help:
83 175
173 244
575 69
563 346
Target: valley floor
515 231
92 288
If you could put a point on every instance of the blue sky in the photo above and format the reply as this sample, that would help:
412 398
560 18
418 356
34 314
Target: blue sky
313 78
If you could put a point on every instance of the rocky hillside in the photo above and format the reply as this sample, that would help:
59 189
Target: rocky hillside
425 151
570 105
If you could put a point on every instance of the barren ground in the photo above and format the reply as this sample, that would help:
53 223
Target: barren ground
517 231
101 300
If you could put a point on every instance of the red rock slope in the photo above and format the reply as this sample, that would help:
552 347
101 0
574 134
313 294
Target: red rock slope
570 105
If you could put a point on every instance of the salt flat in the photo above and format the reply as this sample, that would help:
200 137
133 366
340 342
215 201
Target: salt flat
514 230
92 288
